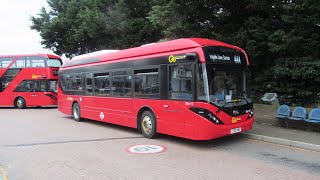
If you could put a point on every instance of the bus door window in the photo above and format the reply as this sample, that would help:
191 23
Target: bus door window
200 83
88 84
40 86
53 86
180 82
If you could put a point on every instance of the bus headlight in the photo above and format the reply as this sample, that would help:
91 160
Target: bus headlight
206 114
250 111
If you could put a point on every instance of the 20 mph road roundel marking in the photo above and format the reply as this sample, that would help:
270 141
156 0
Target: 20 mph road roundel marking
146 149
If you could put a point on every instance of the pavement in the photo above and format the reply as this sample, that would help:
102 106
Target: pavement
303 139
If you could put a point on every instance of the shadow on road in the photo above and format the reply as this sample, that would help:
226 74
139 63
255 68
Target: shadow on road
219 142
36 107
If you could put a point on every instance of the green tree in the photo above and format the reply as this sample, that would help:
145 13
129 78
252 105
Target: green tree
291 35
71 27
274 33
80 26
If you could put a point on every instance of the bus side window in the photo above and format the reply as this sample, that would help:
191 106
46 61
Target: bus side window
20 63
147 83
121 83
25 86
35 61
4 62
75 82
8 76
102 84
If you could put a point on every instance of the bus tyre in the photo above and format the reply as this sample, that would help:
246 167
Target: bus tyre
148 125
76 112
20 103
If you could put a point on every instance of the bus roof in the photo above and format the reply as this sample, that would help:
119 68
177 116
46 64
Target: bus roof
50 56
94 54
148 49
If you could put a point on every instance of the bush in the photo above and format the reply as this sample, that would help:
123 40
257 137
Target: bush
295 80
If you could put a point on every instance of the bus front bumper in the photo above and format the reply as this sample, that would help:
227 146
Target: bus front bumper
213 131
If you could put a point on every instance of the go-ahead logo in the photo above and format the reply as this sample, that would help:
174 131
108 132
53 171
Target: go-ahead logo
172 59
35 76
235 120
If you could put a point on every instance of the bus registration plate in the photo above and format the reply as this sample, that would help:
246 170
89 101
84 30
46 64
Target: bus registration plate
235 130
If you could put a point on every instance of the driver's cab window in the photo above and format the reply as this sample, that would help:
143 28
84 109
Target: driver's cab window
218 85
224 85
180 82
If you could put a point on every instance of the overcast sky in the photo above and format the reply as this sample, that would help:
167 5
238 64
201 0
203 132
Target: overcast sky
15 33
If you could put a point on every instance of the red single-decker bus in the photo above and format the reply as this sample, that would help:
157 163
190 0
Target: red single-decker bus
192 88
29 80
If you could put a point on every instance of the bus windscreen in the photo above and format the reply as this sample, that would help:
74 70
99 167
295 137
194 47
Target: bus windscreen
54 63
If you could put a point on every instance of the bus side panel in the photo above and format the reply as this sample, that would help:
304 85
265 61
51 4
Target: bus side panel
170 120
173 118
64 103
6 99
33 98
107 109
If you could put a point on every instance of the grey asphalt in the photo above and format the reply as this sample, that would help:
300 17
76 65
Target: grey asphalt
39 143
309 140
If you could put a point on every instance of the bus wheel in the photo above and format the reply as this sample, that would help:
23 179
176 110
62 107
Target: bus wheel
148 125
76 112
20 103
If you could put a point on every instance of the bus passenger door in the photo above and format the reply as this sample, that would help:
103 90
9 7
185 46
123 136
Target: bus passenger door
88 99
179 91
38 93
171 120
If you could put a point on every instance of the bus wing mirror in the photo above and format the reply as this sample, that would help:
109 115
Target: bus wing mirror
191 56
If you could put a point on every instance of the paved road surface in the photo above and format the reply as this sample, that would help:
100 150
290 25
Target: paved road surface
45 144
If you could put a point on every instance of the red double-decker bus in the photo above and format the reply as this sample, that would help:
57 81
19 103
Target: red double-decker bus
192 88
29 80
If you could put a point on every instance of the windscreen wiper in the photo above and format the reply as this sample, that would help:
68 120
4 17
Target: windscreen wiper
232 101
